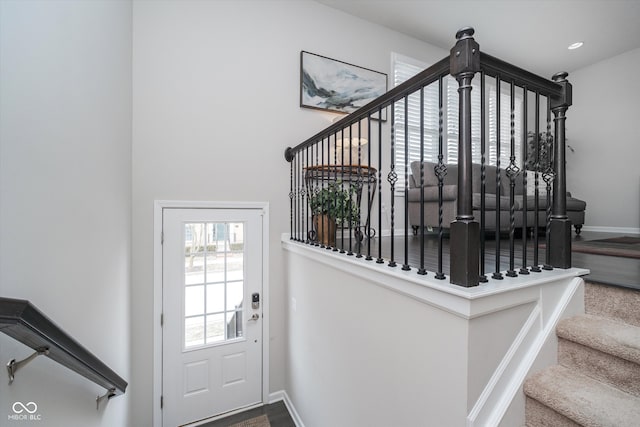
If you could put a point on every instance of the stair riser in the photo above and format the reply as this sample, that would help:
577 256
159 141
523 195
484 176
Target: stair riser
539 415
612 302
603 367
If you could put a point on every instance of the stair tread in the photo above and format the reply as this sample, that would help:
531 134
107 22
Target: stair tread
613 302
582 399
609 336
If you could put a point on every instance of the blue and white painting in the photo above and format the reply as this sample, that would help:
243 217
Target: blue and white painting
328 84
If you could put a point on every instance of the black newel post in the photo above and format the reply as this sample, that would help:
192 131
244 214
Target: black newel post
465 231
560 225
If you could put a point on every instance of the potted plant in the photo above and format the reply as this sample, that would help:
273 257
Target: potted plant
539 147
333 205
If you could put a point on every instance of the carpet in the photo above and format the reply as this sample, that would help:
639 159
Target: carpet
261 421
626 247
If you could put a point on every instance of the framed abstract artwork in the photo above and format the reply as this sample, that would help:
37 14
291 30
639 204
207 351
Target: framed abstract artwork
332 85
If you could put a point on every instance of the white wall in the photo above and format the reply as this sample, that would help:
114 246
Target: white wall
363 355
65 195
602 127
215 103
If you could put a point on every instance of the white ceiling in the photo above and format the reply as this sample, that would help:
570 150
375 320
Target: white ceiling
530 34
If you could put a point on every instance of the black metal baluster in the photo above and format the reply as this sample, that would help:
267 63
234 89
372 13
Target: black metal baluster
392 178
342 169
483 178
291 196
536 191
349 187
380 260
334 247
441 172
512 172
525 194
314 190
405 266
497 275
367 231
360 184
421 269
301 237
548 177
303 193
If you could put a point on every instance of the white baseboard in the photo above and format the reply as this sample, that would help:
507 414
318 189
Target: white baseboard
282 395
603 229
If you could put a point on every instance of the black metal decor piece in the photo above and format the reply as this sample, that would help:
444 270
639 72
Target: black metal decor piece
22 321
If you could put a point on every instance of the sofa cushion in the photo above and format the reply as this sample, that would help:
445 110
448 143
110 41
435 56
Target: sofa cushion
573 204
489 179
430 178
490 202
506 183
449 192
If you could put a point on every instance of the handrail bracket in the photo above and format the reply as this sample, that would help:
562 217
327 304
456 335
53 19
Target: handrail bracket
13 366
108 395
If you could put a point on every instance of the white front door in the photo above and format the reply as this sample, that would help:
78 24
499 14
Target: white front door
212 312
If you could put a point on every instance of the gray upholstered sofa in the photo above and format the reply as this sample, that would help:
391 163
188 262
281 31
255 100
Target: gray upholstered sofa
575 207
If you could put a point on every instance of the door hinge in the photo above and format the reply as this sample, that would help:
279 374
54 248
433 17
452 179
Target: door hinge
161 319
161 402
162 237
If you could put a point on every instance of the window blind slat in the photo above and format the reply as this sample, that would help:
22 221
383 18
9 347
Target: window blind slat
407 68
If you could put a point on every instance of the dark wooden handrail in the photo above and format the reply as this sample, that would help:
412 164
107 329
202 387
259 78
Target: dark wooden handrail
22 321
493 66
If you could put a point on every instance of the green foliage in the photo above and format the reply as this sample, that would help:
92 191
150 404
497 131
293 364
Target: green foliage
336 200
543 145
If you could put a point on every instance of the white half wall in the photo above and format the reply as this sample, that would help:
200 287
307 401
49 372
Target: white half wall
602 127
374 345
65 196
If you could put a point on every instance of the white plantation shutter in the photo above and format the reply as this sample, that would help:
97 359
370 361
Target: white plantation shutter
405 68
505 126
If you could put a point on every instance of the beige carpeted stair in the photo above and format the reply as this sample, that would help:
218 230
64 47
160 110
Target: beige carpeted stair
597 379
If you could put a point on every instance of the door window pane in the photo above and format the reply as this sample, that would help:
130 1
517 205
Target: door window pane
194 300
215 298
234 295
234 324
215 328
214 282
193 331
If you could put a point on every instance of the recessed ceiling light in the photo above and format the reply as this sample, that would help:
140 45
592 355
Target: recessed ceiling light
575 45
